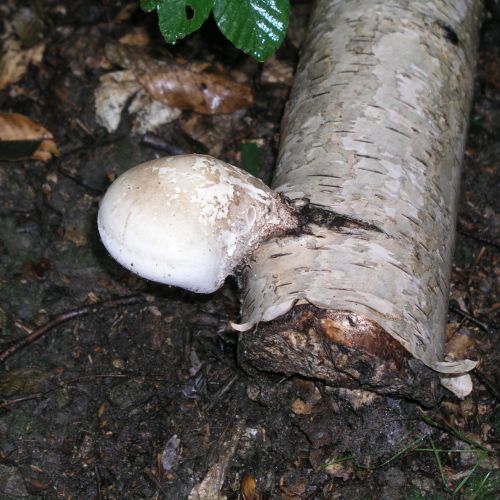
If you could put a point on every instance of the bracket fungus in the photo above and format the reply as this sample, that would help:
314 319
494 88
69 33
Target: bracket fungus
188 220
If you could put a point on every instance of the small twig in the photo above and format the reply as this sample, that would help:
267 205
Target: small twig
459 326
98 480
493 390
62 318
218 395
155 142
79 181
470 318
152 477
129 376
11 402
479 239
472 268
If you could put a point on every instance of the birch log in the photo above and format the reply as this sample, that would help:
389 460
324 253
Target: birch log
372 146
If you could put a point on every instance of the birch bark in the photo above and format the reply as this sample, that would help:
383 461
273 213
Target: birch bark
372 145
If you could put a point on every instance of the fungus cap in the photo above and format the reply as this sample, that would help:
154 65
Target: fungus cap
188 220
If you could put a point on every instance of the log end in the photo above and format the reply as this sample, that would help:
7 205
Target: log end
341 349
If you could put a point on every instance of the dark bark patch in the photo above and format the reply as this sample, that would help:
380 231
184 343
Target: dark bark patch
449 33
313 214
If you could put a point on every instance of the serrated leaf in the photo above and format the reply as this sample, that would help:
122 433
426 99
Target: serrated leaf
255 26
178 18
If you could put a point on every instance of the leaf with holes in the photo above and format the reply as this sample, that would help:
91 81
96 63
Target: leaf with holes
178 18
255 26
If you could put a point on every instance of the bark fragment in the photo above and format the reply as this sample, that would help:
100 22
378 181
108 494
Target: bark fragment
374 134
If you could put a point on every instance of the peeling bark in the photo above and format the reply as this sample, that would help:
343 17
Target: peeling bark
372 145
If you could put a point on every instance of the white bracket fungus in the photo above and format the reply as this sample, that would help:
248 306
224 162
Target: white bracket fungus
188 220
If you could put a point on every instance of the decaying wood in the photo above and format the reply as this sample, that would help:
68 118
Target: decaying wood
341 349
372 143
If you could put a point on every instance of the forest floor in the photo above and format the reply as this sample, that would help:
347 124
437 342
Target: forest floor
143 397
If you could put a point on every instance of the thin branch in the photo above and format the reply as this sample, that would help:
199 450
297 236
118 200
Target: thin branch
470 318
484 380
479 239
221 392
10 402
62 318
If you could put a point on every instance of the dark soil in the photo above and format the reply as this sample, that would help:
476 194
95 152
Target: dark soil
144 398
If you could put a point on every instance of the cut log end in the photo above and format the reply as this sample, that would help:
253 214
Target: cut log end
341 349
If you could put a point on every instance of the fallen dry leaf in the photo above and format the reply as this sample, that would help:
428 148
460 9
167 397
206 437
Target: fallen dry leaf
149 114
138 36
184 86
38 485
126 12
111 96
17 127
299 407
343 470
460 345
275 70
27 23
115 90
248 487
212 131
129 57
20 137
204 93
15 60
292 487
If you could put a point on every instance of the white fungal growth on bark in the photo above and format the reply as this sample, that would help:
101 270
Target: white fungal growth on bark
374 132
189 220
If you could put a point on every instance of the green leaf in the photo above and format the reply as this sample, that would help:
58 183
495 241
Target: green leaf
178 18
255 26
148 5
250 157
